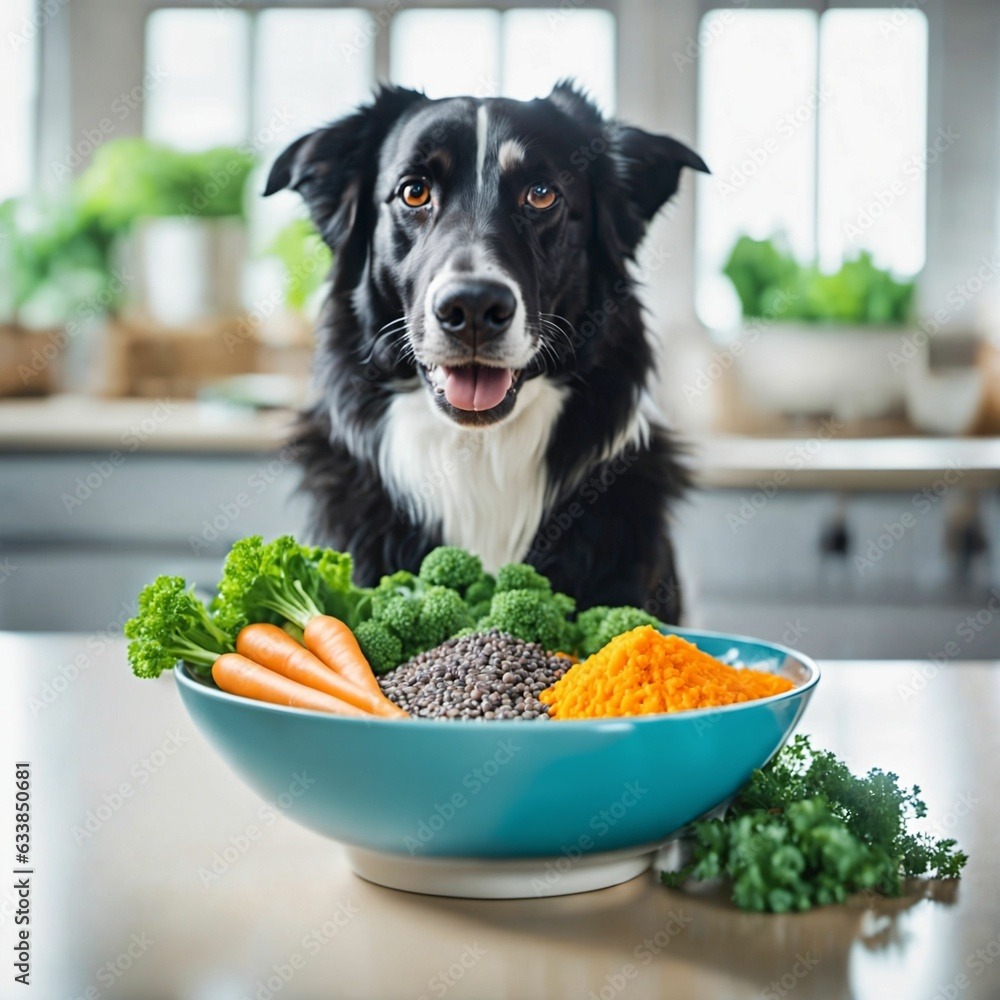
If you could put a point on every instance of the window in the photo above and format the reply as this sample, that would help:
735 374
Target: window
516 53
200 58
18 75
872 137
446 51
311 66
541 46
815 128
260 79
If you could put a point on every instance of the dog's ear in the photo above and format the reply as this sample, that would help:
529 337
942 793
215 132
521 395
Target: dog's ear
572 100
642 172
649 167
334 167
645 168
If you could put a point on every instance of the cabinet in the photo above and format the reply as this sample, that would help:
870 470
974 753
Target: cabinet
883 575
856 575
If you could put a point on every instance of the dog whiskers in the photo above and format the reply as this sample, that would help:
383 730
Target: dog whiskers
553 339
553 322
382 341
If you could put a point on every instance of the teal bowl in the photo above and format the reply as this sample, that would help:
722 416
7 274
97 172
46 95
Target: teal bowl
507 808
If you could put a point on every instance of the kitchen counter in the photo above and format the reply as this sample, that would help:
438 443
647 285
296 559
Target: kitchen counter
826 463
822 457
91 424
159 875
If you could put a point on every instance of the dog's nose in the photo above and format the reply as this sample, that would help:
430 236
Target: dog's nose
474 309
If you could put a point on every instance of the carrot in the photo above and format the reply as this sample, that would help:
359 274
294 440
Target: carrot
238 675
334 643
275 649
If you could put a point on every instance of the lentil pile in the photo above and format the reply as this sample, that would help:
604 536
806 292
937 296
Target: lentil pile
487 675
644 671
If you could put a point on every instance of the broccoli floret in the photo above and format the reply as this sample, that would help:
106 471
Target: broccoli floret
479 595
598 626
532 615
171 624
419 615
382 649
402 581
397 613
520 576
442 614
564 603
449 566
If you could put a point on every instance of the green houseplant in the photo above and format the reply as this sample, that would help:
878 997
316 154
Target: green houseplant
184 213
57 281
133 179
769 280
819 342
55 262
305 260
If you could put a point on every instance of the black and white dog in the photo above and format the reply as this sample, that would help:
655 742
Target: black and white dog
482 363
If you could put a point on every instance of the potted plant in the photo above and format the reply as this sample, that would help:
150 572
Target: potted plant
185 213
56 283
819 343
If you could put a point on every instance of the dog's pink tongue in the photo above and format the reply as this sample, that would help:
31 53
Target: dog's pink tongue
473 387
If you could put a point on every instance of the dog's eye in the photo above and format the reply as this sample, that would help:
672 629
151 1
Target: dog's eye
415 193
540 196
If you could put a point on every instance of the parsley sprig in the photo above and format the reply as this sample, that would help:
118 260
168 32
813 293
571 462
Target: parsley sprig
805 832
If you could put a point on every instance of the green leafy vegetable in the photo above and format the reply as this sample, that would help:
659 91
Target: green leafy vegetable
171 624
283 581
805 832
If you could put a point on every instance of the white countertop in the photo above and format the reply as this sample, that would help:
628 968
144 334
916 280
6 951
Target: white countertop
847 463
132 807
87 423
69 424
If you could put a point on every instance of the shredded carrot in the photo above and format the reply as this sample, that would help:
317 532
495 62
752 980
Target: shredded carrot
644 671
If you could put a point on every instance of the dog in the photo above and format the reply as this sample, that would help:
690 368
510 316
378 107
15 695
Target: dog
482 364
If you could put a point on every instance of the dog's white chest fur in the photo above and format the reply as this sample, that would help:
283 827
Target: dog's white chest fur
486 489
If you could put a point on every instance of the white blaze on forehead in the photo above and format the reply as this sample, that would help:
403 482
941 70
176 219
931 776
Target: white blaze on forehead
511 155
482 128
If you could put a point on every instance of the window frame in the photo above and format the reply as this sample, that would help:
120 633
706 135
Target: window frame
820 7
381 40
34 145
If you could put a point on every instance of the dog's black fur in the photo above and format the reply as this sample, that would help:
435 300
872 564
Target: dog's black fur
604 539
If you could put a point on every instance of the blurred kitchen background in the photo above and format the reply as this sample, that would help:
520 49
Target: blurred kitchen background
825 303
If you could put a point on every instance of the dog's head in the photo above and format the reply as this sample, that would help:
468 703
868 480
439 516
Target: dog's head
473 227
